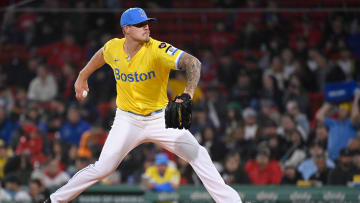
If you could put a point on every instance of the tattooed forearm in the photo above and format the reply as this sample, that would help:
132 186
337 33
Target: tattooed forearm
192 66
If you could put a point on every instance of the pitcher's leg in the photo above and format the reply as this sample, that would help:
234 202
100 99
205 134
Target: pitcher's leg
183 144
122 138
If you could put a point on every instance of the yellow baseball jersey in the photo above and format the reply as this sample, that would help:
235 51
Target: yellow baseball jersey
141 82
171 175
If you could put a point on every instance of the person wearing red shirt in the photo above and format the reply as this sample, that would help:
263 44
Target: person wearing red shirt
264 171
31 144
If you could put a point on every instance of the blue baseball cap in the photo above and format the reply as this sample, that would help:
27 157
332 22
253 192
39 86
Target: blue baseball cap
161 159
133 16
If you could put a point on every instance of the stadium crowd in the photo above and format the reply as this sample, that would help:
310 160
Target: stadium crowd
259 109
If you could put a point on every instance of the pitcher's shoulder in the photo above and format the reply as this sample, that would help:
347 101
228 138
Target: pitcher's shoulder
114 42
157 44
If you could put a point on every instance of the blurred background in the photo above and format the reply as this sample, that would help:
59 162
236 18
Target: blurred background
277 105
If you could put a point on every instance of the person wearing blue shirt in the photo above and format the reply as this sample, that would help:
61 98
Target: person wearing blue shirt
342 129
73 128
307 168
7 127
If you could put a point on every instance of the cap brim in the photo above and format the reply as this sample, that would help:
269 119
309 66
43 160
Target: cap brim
152 19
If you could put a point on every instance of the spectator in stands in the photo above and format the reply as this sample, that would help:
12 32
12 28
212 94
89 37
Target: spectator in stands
7 127
249 37
59 152
295 92
277 144
91 141
213 144
341 174
43 87
301 49
320 135
71 155
318 66
200 121
232 118
306 76
274 28
56 115
234 172
15 190
354 144
31 144
20 166
4 196
73 127
21 103
291 175
264 171
27 67
250 66
272 48
288 62
236 141
311 32
161 177
308 167
66 81
346 64
35 115
51 175
335 36
242 91
214 103
292 108
276 71
3 157
296 152
320 178
342 129
37 192
250 123
269 113
288 126
270 91
6 99
227 72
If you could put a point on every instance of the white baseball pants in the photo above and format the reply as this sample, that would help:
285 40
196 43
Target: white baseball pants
129 131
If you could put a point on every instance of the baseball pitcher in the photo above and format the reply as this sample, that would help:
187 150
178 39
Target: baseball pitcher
141 68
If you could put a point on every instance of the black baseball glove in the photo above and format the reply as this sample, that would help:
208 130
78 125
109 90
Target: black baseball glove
178 114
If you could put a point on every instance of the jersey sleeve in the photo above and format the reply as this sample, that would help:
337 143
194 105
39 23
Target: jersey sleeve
107 51
167 56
